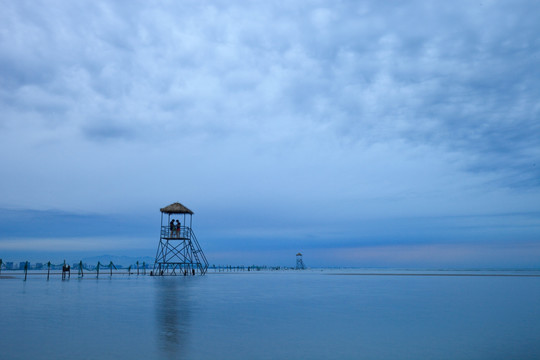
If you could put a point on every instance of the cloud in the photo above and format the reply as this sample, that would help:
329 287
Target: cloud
108 130
314 112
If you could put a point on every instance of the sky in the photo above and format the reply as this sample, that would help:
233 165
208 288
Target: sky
361 133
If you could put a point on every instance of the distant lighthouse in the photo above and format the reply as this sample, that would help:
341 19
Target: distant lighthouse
299 262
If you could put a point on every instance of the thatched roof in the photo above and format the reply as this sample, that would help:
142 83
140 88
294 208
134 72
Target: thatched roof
176 208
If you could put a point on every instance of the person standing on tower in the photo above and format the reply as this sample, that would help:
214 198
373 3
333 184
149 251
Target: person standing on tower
172 228
177 228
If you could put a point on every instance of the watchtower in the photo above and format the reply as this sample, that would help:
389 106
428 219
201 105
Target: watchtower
178 248
299 262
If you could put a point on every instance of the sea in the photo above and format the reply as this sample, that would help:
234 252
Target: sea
308 314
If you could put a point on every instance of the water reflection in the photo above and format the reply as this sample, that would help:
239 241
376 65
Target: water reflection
173 315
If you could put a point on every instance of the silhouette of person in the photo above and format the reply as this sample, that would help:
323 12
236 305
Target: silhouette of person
172 227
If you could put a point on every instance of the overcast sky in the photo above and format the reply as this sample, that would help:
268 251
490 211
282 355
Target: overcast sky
362 133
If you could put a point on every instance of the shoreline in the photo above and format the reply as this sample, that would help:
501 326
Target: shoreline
330 272
441 274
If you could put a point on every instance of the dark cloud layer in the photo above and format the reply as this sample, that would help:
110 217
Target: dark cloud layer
463 76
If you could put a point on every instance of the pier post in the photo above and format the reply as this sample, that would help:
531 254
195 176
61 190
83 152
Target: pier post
111 265
25 269
81 273
48 270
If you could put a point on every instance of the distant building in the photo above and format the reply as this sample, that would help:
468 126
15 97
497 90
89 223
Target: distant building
39 266
21 265
9 265
299 262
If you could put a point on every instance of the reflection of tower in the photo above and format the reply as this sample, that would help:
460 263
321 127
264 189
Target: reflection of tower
173 316
178 248
299 262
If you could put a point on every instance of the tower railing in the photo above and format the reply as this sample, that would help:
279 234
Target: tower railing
183 233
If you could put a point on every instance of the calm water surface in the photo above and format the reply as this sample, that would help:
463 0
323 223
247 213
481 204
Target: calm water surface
274 315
